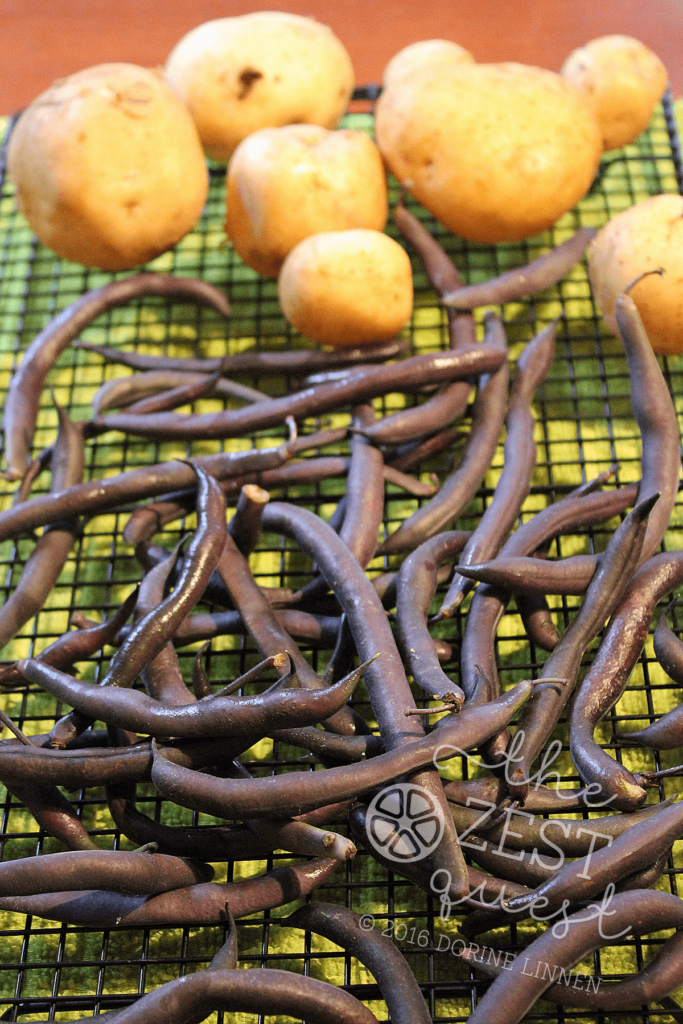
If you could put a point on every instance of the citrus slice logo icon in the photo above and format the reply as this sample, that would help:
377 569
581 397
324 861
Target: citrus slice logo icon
404 823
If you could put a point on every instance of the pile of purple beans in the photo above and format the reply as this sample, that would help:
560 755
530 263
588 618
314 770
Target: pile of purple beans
493 857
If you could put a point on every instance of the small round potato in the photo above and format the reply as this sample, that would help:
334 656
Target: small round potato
344 288
623 79
427 54
646 237
108 168
497 152
287 183
259 70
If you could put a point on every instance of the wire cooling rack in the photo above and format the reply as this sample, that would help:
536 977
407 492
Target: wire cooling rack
584 425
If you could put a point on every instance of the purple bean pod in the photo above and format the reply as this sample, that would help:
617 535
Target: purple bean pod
609 673
602 596
458 489
51 551
387 684
513 993
123 391
519 460
296 793
405 1002
132 873
203 903
541 273
359 385
450 401
294 361
134 485
415 588
26 385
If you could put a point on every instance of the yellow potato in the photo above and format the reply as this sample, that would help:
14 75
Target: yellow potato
428 53
287 183
344 288
645 237
108 168
497 152
259 70
623 79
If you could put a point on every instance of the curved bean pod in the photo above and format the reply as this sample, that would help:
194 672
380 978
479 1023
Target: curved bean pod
516 990
174 397
608 674
26 385
295 361
540 799
450 401
415 588
387 684
524 868
213 716
76 645
574 511
221 843
662 975
192 998
47 559
152 632
161 677
74 769
295 793
330 748
602 596
519 460
537 621
656 417
227 956
411 456
123 391
192 905
136 873
668 647
586 877
538 576
54 814
134 485
422 872
665 733
488 415
304 627
401 992
572 837
363 501
484 920
359 385
266 628
517 284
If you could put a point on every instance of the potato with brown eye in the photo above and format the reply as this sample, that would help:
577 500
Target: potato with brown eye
623 79
287 183
108 168
259 70
347 288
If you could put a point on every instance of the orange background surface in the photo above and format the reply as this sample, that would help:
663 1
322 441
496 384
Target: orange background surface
46 39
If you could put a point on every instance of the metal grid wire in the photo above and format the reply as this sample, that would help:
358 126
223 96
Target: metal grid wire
584 426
